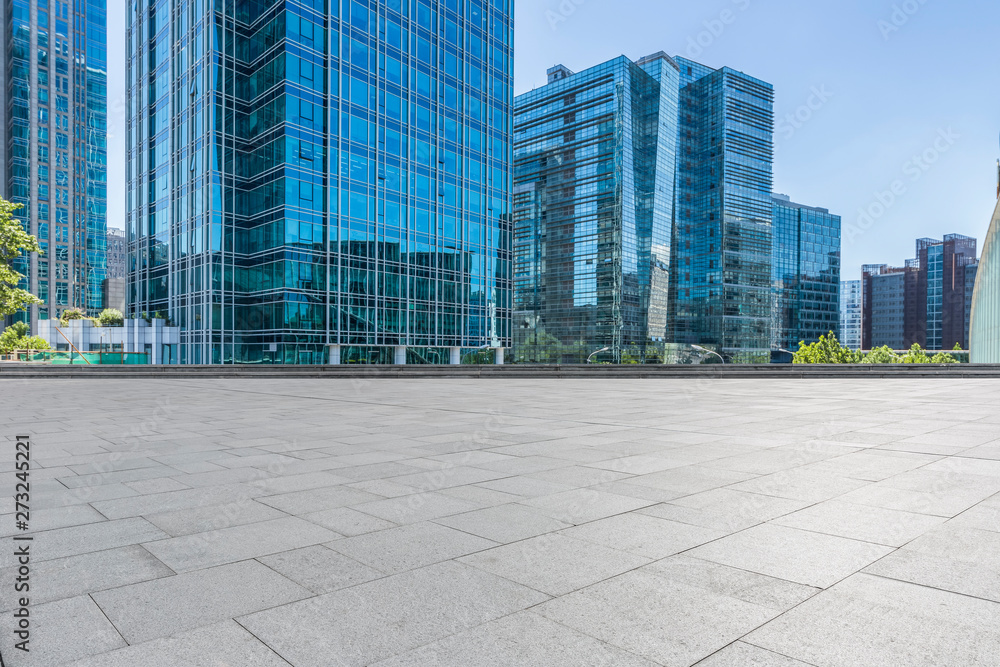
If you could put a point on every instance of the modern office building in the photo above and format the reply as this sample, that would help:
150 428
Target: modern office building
850 313
984 338
942 279
53 157
322 182
643 213
936 295
888 310
594 164
722 237
805 274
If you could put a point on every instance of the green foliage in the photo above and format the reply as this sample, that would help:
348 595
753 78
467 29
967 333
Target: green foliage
111 317
15 337
14 242
882 355
71 314
915 355
958 347
943 358
827 350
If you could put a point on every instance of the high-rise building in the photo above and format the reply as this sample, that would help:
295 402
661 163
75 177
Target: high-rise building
805 274
315 182
850 313
942 279
888 306
594 158
53 157
936 296
722 236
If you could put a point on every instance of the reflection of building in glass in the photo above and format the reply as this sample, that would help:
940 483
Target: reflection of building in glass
984 340
850 314
117 250
805 270
53 156
594 170
722 242
296 203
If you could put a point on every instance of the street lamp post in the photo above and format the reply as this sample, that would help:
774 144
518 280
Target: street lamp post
596 352
705 350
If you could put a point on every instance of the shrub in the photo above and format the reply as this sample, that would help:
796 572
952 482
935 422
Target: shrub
827 350
943 358
111 317
71 314
881 355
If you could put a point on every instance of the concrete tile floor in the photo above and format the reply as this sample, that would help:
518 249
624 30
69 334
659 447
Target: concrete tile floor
237 523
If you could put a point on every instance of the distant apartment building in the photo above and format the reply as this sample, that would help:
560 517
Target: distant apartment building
850 313
805 273
888 310
934 292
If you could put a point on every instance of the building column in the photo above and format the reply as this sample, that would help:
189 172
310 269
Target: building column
334 355
455 356
499 355
400 355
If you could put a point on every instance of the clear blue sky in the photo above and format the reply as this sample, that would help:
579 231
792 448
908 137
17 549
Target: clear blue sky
923 82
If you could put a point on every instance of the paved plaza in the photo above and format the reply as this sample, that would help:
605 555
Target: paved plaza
317 523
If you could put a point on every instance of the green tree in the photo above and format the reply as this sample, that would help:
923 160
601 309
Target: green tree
943 358
881 355
827 350
14 242
111 317
15 337
915 355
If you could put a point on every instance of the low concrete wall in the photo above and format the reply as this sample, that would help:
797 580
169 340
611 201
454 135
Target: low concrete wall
24 370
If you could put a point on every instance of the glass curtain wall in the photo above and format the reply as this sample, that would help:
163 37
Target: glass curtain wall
316 173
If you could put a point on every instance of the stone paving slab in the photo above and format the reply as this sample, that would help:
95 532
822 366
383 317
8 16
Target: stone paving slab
324 522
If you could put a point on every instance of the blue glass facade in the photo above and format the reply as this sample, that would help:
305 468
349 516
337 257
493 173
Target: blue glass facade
54 153
722 239
805 274
595 156
317 175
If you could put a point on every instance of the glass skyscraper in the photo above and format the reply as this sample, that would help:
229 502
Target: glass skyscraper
722 236
805 274
53 157
850 313
321 180
595 155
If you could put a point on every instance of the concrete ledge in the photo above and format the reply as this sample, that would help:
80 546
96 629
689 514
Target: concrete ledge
28 370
